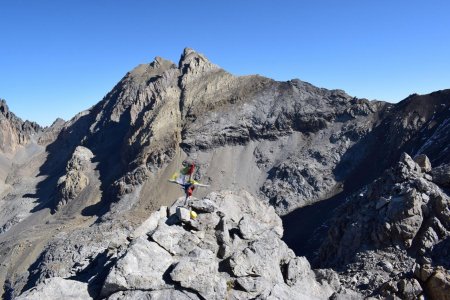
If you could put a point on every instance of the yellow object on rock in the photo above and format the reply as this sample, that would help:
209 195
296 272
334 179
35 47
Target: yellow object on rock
193 215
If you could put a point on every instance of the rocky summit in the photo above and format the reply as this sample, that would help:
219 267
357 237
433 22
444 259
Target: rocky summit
362 188
231 250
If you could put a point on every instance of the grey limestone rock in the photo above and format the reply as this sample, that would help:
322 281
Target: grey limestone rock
57 288
154 295
141 268
175 239
200 272
75 180
183 214
403 215
251 228
186 262
151 223
297 269
204 205
262 257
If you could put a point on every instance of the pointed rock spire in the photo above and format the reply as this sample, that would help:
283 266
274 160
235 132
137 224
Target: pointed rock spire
190 59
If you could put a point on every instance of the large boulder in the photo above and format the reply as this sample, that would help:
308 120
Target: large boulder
436 281
141 268
438 285
175 239
76 179
200 271
57 288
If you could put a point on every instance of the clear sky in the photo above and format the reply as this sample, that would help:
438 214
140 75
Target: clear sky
60 57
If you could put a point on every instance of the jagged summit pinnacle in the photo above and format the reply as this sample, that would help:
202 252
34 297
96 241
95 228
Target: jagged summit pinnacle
8 114
186 53
189 57
160 62
58 122
193 58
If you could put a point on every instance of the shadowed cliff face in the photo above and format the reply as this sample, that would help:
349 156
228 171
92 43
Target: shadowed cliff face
289 143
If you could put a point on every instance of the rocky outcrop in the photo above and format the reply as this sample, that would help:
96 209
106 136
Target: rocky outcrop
75 180
400 220
232 249
142 268
13 131
57 288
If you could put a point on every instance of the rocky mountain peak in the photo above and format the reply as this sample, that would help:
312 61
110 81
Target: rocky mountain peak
188 55
146 73
58 122
194 63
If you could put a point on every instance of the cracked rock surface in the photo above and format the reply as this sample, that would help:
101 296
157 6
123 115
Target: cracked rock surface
184 259
392 237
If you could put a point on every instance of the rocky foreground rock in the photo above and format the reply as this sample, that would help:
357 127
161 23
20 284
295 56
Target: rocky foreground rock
392 237
232 250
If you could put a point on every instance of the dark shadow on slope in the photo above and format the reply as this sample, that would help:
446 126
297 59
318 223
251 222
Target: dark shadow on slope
59 152
382 147
106 145
8 290
103 146
441 253
95 273
305 228
33 273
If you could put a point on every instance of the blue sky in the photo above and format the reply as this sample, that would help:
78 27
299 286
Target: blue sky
58 58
